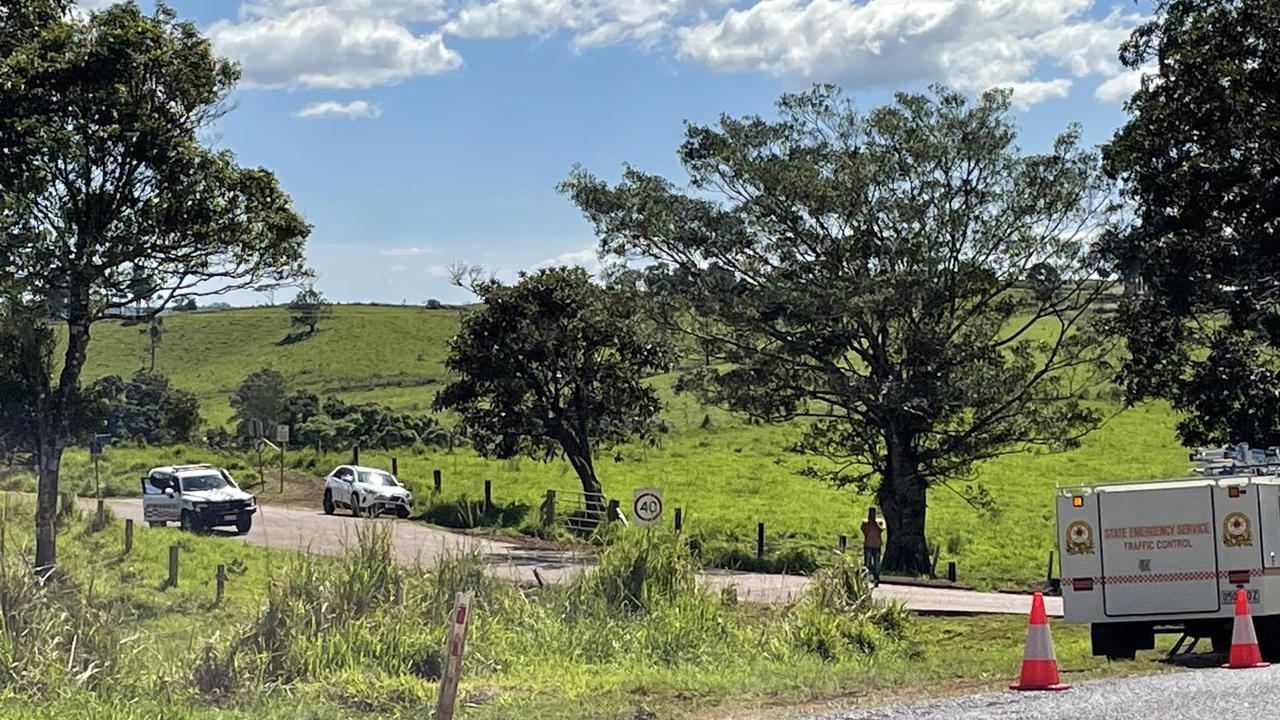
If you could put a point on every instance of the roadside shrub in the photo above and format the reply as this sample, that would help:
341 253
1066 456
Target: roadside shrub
55 635
838 619
464 513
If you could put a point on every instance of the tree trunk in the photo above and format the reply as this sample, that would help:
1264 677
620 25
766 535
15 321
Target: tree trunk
50 460
53 427
902 500
580 459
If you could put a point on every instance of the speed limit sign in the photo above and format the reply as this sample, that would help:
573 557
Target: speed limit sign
647 507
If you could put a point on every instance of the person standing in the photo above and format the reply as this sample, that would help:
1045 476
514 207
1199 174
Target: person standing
872 541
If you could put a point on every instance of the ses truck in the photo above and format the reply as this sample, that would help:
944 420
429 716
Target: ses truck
1142 558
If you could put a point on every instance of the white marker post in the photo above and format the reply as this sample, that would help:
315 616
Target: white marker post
454 644
646 508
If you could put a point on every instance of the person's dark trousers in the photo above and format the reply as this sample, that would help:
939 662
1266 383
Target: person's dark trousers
871 560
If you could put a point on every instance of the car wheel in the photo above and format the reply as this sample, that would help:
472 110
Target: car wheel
355 505
402 512
328 503
188 521
244 523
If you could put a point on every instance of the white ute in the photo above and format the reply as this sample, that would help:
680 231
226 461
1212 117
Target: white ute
198 497
365 491
1167 556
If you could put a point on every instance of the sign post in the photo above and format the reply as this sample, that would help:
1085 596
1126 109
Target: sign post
646 508
282 437
95 450
454 644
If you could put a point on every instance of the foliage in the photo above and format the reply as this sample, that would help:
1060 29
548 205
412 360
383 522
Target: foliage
308 308
109 197
262 396
334 423
1198 163
553 366
144 409
837 617
907 278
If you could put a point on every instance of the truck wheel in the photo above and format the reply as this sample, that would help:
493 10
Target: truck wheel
189 523
328 503
244 523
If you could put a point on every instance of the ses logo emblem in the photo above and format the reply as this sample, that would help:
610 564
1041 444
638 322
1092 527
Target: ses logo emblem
1079 538
1237 531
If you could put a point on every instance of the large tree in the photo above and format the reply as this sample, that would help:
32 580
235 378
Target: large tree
553 366
907 279
308 308
109 194
1199 160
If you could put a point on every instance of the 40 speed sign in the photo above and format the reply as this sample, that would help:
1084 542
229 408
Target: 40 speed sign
646 509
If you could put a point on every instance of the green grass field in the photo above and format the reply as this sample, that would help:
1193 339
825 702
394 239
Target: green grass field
727 476
558 654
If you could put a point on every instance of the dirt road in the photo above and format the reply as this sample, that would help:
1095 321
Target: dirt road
295 529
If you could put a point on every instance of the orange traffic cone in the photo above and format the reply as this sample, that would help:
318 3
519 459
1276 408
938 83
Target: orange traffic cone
1039 666
1244 643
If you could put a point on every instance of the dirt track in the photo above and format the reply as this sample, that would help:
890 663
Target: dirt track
297 529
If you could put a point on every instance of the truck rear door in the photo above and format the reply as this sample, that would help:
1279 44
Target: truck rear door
1158 551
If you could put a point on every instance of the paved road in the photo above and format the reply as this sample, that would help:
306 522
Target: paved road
296 529
1209 694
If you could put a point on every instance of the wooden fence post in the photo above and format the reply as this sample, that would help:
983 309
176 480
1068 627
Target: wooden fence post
100 518
951 571
760 540
488 495
612 512
173 566
679 519
128 536
395 466
549 508
844 544
219 578
355 455
435 475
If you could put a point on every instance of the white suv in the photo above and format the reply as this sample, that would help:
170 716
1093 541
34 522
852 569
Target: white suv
365 491
196 496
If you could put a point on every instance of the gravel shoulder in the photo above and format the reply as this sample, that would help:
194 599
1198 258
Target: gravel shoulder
1205 694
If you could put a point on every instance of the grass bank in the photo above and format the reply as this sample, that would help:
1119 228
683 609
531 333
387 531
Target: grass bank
310 637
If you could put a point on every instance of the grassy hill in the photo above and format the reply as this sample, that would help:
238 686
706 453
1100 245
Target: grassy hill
387 354
726 474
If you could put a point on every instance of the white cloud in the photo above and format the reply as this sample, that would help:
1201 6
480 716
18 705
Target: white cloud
969 44
354 109
1026 94
1120 87
593 23
331 47
587 259
408 251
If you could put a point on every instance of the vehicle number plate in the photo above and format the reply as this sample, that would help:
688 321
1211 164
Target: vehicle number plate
1251 596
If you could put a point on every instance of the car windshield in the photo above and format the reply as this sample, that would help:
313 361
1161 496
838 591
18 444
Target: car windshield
377 478
210 481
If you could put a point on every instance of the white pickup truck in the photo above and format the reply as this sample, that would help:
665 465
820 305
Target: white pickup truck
1142 558
197 497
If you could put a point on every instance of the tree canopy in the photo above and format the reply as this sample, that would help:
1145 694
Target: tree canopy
263 396
553 366
109 195
907 278
1198 161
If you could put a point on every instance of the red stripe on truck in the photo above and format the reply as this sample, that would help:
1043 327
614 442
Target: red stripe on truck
1235 577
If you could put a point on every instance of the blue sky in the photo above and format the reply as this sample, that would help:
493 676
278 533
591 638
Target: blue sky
416 133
